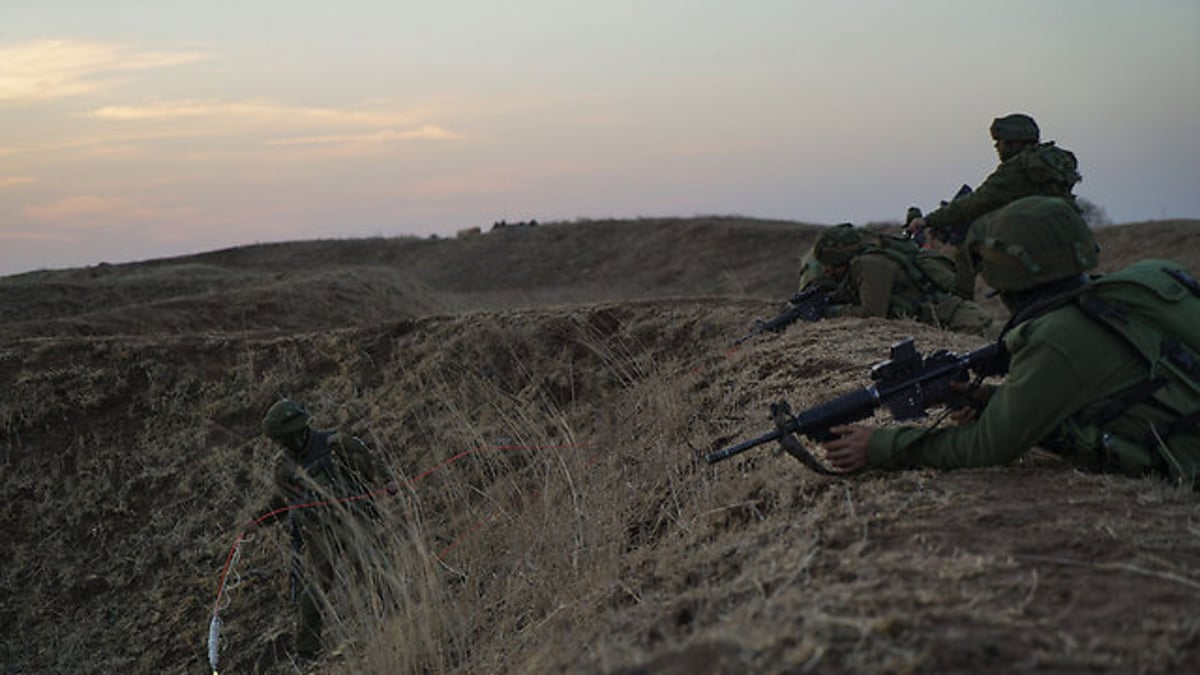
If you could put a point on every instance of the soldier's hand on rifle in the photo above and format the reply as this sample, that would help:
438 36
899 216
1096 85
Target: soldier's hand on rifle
848 452
915 225
980 395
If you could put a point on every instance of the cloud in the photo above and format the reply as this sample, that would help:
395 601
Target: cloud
77 208
279 125
9 181
251 112
51 69
34 236
428 132
90 211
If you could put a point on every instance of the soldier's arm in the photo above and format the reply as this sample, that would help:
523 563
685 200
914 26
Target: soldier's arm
358 458
1027 408
1006 184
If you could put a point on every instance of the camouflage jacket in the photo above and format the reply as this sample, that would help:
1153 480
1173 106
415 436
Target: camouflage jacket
876 285
1066 371
1042 169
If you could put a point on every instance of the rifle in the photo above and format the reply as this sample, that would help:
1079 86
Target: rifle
907 384
808 304
950 234
954 233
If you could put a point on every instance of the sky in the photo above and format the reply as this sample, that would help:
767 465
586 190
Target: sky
139 129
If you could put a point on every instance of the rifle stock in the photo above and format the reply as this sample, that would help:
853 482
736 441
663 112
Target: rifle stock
907 384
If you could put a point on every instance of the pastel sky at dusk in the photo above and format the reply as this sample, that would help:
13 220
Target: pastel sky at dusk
136 129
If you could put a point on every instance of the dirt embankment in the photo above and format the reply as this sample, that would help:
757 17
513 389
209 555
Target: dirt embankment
556 515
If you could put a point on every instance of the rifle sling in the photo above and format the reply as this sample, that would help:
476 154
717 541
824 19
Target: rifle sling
794 448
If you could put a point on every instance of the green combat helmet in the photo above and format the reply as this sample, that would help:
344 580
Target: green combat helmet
1030 242
838 245
285 417
1015 127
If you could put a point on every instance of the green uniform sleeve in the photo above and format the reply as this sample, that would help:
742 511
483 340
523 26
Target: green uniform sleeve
1022 411
1007 183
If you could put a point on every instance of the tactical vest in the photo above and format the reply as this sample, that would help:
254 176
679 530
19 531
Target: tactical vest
1154 307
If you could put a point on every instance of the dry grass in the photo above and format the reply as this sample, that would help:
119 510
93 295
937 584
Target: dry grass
556 515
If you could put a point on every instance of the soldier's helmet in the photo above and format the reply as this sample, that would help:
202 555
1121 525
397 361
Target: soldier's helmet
1030 242
838 245
1015 127
284 418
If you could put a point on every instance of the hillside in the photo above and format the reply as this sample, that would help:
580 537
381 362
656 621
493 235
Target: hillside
331 284
546 396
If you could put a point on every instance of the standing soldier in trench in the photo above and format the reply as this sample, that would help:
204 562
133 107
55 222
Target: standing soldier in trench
323 467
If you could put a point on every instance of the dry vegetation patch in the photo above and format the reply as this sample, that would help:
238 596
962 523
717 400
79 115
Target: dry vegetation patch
556 514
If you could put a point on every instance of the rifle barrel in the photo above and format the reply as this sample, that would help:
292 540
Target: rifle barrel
714 457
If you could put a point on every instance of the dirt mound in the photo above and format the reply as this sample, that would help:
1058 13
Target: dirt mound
222 302
332 284
1176 240
556 513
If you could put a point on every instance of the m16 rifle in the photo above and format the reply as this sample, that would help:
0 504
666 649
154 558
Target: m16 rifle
808 304
954 234
907 384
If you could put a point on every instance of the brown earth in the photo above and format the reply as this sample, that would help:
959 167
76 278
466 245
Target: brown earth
547 395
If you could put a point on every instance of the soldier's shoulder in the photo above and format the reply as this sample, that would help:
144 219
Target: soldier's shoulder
1066 329
344 440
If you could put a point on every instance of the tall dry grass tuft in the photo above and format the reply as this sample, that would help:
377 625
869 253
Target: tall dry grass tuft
474 567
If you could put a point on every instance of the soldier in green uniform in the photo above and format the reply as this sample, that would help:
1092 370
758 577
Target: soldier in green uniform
813 273
318 467
1027 167
1104 372
880 275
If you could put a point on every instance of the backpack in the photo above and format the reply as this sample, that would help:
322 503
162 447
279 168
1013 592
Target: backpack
929 270
1154 306
1051 167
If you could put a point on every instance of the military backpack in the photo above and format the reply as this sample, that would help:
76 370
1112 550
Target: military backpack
1154 307
1051 167
932 272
